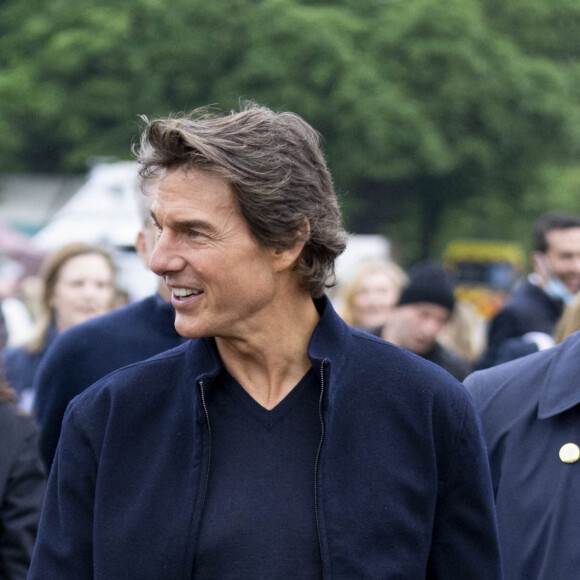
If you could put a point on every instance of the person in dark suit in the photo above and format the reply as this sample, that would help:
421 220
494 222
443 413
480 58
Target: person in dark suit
22 483
530 411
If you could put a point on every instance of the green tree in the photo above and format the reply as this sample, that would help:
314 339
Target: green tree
430 110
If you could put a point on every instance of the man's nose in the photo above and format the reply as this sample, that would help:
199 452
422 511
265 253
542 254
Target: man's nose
166 257
90 290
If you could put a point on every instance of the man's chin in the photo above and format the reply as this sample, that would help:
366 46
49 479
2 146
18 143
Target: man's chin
188 330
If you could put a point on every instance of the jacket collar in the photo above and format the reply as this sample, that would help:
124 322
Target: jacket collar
328 344
328 341
561 389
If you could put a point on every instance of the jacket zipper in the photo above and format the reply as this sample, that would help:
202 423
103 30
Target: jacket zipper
316 467
206 413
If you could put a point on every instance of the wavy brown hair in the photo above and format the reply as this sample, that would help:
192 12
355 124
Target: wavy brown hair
278 172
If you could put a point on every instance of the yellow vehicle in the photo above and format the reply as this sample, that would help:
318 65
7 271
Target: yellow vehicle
484 271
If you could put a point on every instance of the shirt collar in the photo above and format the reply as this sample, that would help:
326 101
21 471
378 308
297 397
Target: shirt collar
561 389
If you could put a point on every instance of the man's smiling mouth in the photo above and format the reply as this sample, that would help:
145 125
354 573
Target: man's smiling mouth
185 292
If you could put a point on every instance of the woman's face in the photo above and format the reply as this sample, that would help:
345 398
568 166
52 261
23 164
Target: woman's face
84 289
374 299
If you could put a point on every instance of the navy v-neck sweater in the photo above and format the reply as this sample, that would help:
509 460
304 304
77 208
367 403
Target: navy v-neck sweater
259 516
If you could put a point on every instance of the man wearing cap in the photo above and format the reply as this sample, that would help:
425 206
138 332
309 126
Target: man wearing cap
423 310
530 410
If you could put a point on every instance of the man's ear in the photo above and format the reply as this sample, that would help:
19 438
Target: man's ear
141 247
541 266
288 256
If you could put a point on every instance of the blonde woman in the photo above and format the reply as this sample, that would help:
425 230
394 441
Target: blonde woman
365 300
78 284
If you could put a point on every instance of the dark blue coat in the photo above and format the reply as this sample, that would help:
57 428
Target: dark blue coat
530 408
21 366
402 483
87 352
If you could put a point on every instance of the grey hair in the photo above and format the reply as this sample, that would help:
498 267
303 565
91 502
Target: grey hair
277 169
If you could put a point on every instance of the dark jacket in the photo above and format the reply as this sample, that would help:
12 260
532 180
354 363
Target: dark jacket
21 365
441 356
530 309
22 482
449 361
87 352
530 408
402 481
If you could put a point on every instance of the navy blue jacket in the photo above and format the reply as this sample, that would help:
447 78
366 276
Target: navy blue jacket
402 481
21 366
87 352
530 309
530 408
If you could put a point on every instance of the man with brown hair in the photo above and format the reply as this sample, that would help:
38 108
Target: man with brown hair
281 443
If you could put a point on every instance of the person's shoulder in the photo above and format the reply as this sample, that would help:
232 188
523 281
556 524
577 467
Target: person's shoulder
399 370
116 318
527 298
385 382
18 362
116 323
151 377
14 353
519 379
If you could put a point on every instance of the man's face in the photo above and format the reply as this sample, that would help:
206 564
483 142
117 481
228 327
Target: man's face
221 280
416 326
563 257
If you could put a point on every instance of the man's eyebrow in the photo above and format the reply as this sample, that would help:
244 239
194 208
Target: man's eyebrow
194 224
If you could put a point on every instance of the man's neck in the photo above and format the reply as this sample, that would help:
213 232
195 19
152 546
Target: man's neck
270 362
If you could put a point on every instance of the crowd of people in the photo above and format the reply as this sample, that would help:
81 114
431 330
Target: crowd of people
243 424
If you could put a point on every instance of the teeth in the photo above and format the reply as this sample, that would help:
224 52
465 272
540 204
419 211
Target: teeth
183 292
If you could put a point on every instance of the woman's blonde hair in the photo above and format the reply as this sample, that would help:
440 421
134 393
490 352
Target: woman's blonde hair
569 322
350 288
50 272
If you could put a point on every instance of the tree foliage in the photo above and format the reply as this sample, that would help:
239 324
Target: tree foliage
429 110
